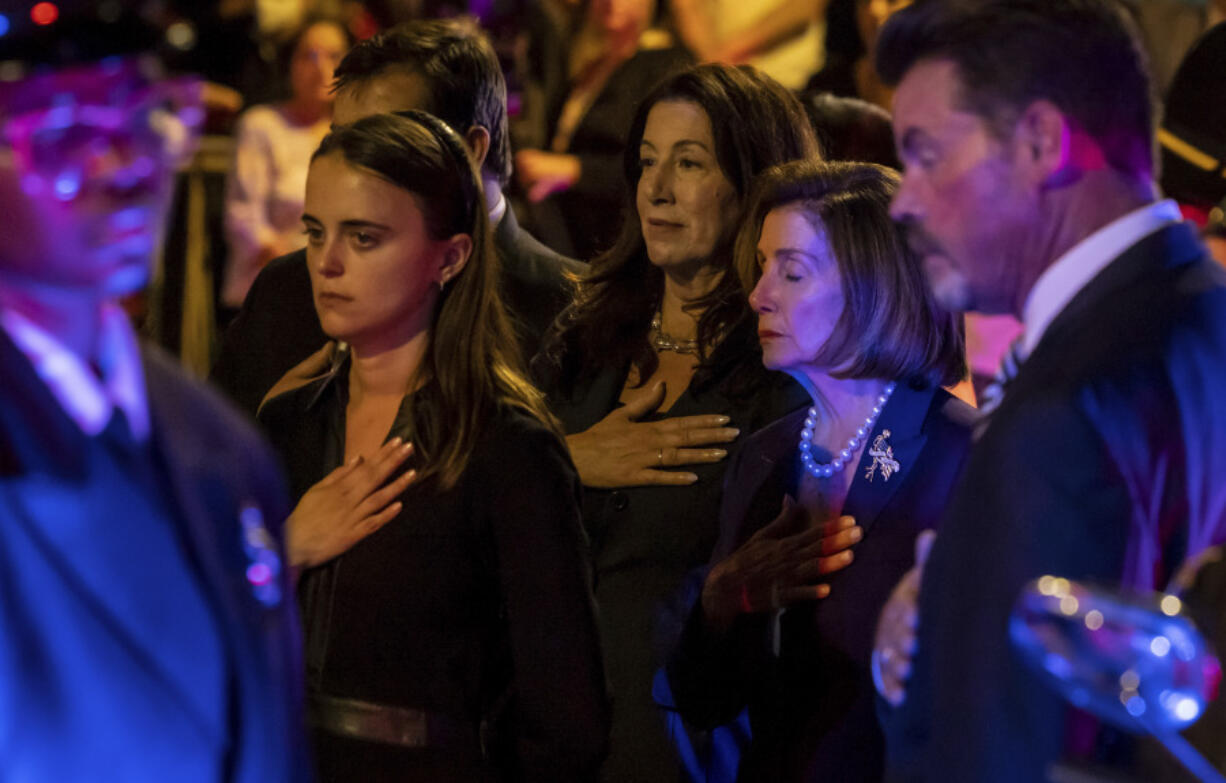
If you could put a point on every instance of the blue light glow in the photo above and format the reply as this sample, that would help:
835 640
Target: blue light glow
1160 646
67 185
4 25
259 574
1187 709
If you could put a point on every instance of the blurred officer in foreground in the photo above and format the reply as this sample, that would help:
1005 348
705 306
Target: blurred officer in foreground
145 633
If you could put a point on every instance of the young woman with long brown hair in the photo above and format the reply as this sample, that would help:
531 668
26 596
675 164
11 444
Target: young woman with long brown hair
450 628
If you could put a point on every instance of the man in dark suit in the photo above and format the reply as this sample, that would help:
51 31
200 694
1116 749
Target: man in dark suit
145 628
1026 129
448 68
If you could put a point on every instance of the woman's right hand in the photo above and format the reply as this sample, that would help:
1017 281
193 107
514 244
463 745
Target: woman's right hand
347 505
779 565
619 451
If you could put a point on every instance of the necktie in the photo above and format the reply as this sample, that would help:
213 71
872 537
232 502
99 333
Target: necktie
1009 364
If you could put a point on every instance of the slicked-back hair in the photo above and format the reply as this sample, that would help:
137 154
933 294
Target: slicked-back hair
461 71
1082 55
471 359
756 123
891 326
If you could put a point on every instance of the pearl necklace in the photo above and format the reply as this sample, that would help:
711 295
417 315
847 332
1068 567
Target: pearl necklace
826 470
666 342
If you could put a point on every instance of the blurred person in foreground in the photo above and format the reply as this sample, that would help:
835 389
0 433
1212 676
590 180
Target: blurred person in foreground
448 68
146 624
1027 131
859 475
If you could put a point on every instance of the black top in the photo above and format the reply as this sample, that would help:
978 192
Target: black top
278 327
646 539
1103 462
811 707
474 603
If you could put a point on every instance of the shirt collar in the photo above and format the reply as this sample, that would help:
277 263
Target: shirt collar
88 400
499 210
1072 271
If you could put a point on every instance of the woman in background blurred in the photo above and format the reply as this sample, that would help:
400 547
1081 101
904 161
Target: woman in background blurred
615 57
272 148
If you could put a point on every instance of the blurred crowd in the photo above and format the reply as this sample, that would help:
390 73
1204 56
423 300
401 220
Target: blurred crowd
574 72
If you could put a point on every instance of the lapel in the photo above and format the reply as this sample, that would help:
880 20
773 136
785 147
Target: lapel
215 515
899 436
51 495
506 233
1166 249
1160 253
769 459
770 456
179 450
36 435
258 708
592 402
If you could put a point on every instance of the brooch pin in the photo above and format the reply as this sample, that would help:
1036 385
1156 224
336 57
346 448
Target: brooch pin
263 562
883 458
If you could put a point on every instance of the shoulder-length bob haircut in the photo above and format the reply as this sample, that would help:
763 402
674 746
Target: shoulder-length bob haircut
471 358
891 326
756 123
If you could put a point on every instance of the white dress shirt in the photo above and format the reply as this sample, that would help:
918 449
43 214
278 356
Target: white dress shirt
87 399
498 212
1072 271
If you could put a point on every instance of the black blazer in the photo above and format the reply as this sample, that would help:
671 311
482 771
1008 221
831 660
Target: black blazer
474 603
278 327
1104 463
811 708
646 539
68 643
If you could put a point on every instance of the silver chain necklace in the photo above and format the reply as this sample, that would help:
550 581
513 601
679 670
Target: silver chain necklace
666 342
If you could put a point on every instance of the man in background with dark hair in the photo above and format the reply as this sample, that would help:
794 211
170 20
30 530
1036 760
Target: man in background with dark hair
1026 128
448 68
147 630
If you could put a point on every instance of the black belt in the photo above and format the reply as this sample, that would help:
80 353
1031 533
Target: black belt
403 726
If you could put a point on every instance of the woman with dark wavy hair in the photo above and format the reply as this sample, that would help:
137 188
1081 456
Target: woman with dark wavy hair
842 305
450 629
656 365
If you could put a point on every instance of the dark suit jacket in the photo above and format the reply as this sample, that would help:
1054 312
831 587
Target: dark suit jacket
811 708
584 219
84 689
1102 463
646 539
474 602
278 327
